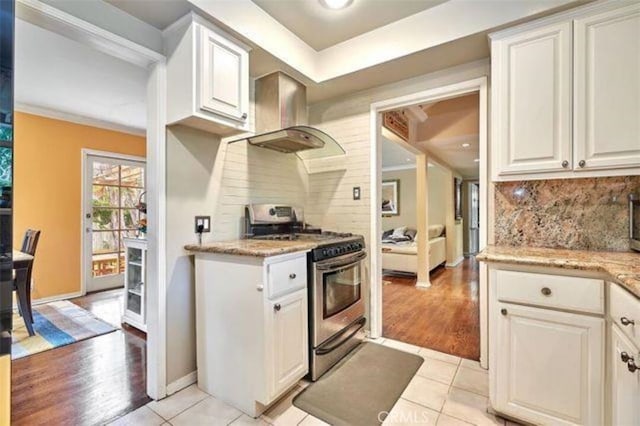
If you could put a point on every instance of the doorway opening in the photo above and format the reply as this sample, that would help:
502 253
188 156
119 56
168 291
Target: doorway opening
426 285
76 96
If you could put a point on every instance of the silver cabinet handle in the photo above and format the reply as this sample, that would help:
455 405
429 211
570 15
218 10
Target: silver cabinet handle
626 321
292 276
625 357
582 163
546 291
630 361
277 307
244 116
503 311
565 164
259 287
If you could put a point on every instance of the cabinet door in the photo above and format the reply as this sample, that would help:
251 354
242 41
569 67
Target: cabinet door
532 100
289 341
607 89
549 365
224 76
625 384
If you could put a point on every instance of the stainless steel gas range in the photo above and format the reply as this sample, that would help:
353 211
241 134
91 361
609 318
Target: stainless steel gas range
336 291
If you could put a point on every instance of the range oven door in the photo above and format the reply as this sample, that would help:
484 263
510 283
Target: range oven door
337 295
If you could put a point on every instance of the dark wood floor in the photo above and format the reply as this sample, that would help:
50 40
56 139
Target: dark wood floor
85 383
443 317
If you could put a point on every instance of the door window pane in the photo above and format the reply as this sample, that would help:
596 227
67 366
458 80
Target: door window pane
133 176
116 191
105 173
105 196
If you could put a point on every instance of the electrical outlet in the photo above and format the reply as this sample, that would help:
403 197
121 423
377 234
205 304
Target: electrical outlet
356 193
204 222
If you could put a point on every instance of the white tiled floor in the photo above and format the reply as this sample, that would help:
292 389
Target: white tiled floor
446 391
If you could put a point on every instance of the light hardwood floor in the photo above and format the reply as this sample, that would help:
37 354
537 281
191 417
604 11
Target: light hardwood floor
444 317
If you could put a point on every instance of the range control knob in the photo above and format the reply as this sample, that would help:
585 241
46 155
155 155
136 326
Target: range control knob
324 252
272 211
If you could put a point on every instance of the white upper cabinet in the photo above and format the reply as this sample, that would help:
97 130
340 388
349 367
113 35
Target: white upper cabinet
224 76
532 72
207 77
607 89
566 95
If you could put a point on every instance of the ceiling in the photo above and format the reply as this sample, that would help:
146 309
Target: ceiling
450 125
309 20
158 13
54 73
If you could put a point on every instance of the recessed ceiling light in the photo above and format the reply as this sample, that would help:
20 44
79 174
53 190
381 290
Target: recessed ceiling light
335 4
477 160
465 145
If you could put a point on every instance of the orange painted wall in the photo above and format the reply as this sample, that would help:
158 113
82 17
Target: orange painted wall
48 186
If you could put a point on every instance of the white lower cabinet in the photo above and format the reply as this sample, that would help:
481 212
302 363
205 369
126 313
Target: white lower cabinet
625 380
549 365
287 320
251 327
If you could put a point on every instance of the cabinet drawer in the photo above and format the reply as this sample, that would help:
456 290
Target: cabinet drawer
554 291
625 311
285 277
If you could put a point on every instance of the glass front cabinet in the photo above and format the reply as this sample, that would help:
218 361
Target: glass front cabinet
135 295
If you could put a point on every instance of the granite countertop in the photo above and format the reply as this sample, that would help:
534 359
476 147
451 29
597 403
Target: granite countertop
256 248
622 268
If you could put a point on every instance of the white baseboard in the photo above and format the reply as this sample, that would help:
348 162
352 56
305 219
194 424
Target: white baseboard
182 383
49 299
455 262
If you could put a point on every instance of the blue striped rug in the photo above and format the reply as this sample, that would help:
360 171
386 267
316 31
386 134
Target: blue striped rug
55 324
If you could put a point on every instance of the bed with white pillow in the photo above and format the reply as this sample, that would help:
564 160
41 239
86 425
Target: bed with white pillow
400 249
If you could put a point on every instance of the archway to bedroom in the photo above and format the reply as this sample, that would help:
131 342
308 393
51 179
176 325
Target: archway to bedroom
429 181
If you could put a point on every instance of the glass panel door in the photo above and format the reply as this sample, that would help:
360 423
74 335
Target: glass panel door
341 289
115 187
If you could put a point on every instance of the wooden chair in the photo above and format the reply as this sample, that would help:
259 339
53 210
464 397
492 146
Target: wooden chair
23 289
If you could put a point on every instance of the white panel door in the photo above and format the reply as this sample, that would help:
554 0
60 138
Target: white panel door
549 365
224 76
607 89
533 100
625 384
289 346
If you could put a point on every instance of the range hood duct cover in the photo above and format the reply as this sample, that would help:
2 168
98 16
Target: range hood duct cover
281 116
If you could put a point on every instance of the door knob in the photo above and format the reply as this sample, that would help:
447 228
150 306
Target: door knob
277 307
292 276
631 366
546 291
582 163
565 164
626 321
503 311
244 116
259 287
625 357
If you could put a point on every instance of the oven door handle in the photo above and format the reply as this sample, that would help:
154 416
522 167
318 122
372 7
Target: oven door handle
342 261
325 350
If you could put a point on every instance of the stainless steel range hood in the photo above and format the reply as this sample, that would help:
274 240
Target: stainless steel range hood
281 116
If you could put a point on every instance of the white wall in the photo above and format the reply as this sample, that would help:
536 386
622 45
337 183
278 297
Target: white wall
209 177
407 199
438 185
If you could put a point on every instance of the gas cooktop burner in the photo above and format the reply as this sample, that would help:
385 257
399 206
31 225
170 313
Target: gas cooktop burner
326 235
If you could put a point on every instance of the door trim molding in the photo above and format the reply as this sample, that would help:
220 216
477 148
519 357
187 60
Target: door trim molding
473 85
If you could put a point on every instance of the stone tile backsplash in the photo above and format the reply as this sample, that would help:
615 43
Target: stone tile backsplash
579 214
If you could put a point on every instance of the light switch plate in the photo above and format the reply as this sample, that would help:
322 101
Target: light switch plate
356 192
205 221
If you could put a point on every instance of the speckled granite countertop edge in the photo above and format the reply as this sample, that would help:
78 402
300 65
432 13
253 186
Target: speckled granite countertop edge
253 248
622 268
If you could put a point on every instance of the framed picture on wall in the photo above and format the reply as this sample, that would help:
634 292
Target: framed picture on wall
457 197
391 197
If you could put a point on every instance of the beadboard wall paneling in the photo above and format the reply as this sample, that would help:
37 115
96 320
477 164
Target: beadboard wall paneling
579 214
